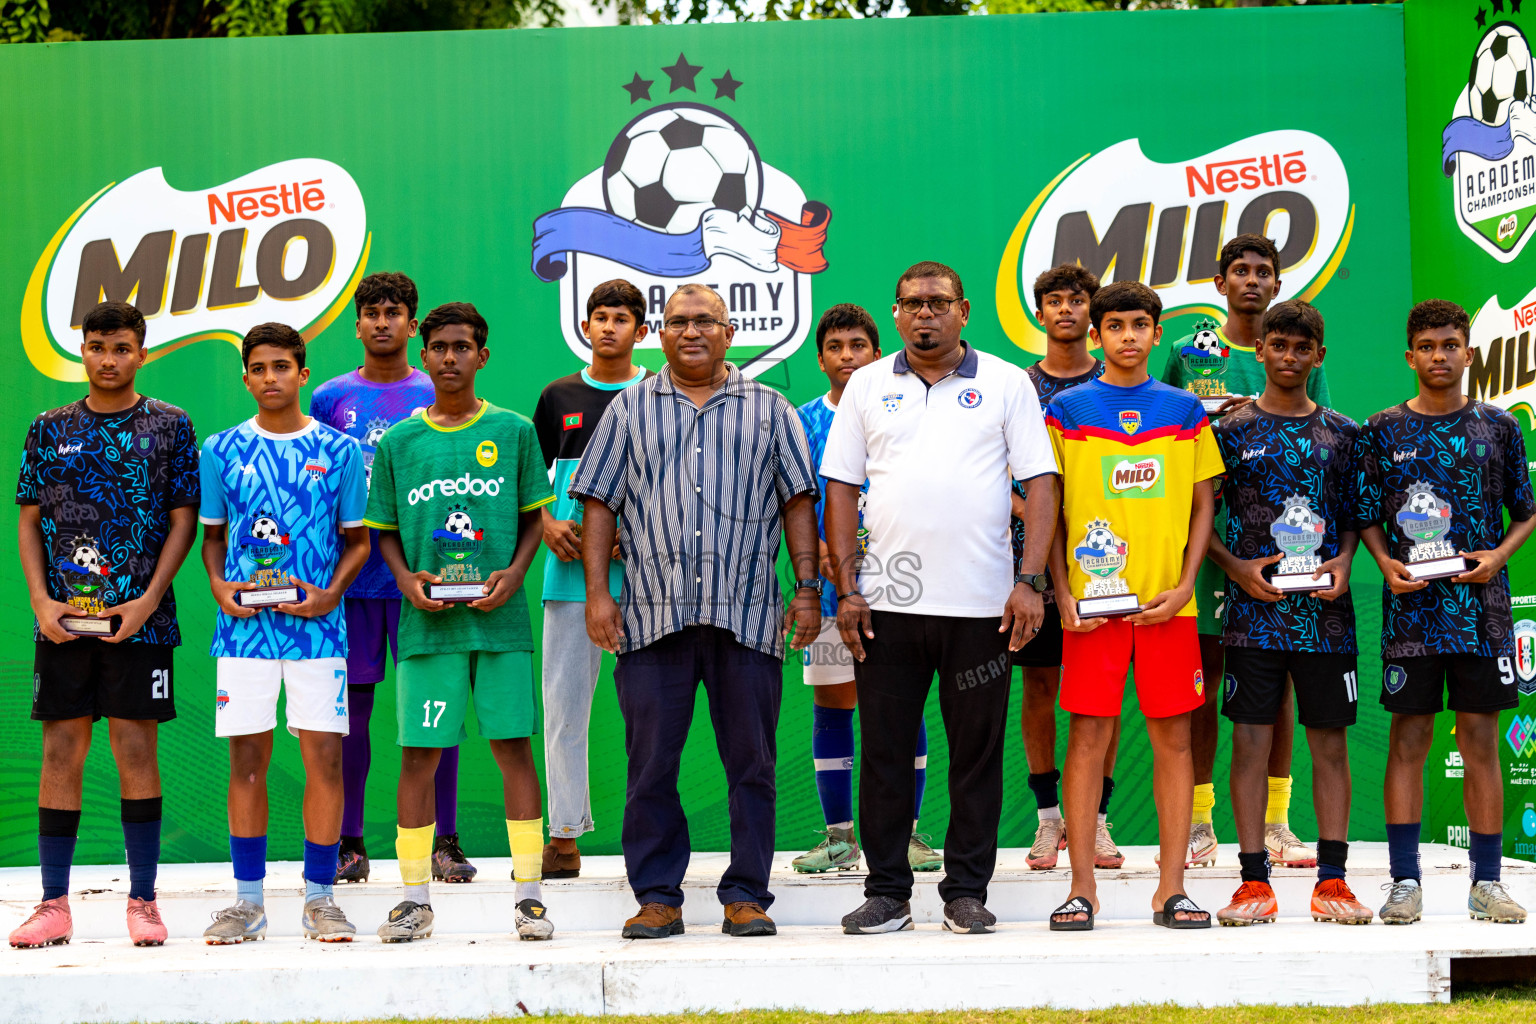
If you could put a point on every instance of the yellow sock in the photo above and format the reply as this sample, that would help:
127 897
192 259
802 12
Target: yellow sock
1205 800
1279 810
527 841
414 848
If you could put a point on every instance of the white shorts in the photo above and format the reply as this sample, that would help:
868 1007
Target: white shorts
827 660
248 688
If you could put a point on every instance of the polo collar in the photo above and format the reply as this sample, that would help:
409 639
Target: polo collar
967 367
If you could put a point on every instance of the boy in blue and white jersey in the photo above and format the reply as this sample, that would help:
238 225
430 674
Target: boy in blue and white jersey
283 497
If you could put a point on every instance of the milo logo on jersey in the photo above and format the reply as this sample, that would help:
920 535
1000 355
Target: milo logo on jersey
1425 518
1128 218
266 542
682 195
1133 478
458 542
86 576
285 242
1488 150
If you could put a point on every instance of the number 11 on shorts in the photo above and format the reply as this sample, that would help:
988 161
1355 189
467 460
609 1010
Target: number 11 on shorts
429 721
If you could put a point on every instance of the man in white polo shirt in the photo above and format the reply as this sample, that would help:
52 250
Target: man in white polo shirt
939 430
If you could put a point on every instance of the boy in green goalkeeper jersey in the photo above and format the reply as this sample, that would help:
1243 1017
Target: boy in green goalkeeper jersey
1220 363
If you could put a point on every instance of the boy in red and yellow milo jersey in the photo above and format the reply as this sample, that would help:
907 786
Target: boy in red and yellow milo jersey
1137 459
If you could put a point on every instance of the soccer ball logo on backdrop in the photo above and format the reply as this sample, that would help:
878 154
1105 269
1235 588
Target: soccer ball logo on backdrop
1488 149
683 195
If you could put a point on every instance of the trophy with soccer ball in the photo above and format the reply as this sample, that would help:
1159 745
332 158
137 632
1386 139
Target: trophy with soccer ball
1298 533
1426 519
266 543
459 542
1102 556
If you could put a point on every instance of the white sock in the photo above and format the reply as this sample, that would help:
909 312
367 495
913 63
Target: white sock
1049 813
419 893
847 825
914 826
530 891
1103 819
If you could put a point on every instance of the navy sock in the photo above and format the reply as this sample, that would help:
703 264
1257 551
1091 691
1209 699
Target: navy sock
1255 866
1403 851
1043 785
56 833
141 838
832 752
919 771
319 869
1331 855
248 855
1487 851
1109 787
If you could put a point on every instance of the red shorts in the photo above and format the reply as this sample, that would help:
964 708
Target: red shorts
1167 660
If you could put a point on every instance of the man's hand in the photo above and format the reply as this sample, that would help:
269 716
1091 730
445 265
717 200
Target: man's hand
317 601
1488 565
561 538
1235 402
224 593
414 588
1339 565
1066 604
1398 578
134 614
605 626
1162 607
1022 614
804 615
1248 575
855 624
49 612
499 586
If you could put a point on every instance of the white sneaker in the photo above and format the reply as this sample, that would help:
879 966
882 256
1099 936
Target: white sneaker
1202 846
407 921
323 920
1285 850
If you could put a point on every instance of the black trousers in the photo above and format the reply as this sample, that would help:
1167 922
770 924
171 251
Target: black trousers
971 659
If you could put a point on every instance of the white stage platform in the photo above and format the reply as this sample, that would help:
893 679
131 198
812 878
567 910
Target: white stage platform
473 967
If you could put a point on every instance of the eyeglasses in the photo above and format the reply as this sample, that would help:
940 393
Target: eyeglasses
702 324
939 306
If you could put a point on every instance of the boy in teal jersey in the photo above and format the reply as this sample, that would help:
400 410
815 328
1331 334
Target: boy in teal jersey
456 495
1220 363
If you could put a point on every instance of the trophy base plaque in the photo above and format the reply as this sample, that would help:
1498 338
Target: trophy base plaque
1437 568
1211 403
452 593
266 597
1109 607
1301 583
82 625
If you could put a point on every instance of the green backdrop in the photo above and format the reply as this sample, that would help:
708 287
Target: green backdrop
993 144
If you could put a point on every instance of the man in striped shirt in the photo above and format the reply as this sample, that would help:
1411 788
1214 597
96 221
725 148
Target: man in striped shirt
694 470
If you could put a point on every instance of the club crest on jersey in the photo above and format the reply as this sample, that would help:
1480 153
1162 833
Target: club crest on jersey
317 465
220 700
1130 420
486 452
1229 687
1525 655
891 401
142 444
1101 553
458 539
970 398
375 433
1199 683
1479 450
266 540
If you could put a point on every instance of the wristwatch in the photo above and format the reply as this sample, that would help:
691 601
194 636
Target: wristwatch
1037 580
811 584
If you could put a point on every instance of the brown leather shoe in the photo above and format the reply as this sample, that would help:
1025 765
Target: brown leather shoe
561 865
655 921
744 919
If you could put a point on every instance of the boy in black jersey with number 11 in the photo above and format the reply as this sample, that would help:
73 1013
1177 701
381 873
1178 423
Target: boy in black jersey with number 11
1438 473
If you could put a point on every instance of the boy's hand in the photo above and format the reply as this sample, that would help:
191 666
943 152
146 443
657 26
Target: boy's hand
1398 579
1249 576
560 537
499 586
49 612
1488 565
1339 566
1235 402
415 590
224 593
317 602
134 614
1067 605
1162 607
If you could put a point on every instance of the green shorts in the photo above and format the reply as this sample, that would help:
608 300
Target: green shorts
433 692
1210 594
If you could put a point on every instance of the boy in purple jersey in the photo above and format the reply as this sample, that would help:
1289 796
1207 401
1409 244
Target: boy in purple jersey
363 404
1062 296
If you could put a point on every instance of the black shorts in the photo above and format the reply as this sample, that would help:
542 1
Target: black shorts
1044 651
88 677
1477 684
1253 687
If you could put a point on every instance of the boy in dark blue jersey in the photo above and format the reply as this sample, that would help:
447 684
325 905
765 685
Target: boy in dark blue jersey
1291 498
1438 473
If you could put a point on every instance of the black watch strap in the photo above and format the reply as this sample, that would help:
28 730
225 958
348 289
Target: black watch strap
810 584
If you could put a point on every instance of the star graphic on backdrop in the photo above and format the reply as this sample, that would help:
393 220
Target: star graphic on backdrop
725 88
682 74
1482 18
1498 6
638 88
1514 6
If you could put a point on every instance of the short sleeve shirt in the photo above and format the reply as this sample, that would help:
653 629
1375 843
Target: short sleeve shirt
283 498
364 409
816 417
1288 475
104 485
1130 458
454 495
939 460
1445 481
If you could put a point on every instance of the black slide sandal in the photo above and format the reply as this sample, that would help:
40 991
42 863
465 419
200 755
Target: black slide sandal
1075 905
1175 903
